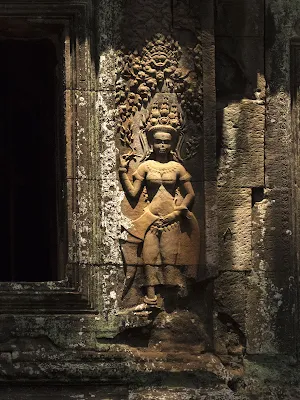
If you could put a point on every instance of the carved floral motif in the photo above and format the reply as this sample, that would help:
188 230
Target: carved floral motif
157 68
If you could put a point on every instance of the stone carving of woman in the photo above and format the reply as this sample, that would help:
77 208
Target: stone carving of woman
167 229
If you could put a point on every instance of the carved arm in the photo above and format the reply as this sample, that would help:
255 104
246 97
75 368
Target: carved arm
131 189
184 207
189 197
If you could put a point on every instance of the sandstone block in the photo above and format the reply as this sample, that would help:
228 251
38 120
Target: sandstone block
270 313
229 293
278 144
83 220
271 297
82 135
230 314
242 155
272 232
234 213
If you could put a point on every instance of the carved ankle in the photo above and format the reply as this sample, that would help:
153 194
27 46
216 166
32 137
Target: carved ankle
152 301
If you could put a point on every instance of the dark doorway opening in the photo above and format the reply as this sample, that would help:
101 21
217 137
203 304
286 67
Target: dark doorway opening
28 197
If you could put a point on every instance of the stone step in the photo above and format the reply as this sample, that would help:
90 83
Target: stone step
41 301
54 286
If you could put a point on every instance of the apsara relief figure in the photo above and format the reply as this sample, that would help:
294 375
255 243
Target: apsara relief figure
165 238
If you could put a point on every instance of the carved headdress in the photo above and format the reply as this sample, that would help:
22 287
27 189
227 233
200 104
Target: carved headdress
164 117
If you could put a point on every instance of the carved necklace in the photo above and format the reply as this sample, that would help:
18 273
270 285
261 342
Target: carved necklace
162 170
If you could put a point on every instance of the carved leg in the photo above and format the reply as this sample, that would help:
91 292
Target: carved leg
151 292
151 297
150 257
169 244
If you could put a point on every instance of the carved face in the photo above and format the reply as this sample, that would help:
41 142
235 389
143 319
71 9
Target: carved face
159 60
162 142
144 92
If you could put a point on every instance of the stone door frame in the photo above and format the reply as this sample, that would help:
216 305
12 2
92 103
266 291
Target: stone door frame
74 18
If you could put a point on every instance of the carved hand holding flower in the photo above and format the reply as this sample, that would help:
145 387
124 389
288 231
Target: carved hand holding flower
125 160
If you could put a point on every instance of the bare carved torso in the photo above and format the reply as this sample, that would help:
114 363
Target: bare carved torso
161 181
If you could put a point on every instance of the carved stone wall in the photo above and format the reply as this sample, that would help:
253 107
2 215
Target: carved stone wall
257 130
179 140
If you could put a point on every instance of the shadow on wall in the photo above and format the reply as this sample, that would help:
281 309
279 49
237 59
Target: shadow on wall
271 290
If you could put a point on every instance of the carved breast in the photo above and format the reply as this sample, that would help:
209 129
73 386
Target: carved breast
161 182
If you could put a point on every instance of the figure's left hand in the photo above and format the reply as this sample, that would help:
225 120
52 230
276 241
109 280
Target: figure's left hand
169 218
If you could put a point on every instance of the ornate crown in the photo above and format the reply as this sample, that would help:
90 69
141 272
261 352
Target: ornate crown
164 117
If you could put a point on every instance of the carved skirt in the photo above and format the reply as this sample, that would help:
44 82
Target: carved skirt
160 250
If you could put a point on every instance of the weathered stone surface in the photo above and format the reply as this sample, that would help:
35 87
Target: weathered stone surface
272 280
239 18
108 19
177 330
278 144
209 98
234 212
215 339
272 231
182 394
270 312
230 291
51 332
109 289
83 143
64 393
211 255
270 377
230 297
111 195
242 155
84 221
281 25
240 68
138 26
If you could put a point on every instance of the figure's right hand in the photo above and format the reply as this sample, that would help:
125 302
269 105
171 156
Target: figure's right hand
125 160
124 163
